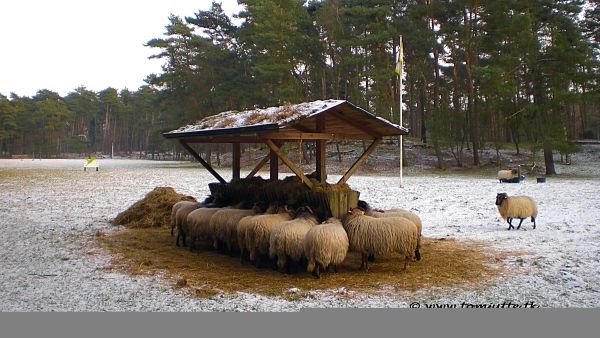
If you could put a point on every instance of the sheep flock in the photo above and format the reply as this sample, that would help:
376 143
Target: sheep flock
292 237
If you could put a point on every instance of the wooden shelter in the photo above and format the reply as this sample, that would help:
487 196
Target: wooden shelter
317 121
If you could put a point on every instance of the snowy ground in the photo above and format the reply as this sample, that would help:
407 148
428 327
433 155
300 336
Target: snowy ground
50 211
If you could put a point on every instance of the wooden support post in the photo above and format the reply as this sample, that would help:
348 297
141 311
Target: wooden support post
274 165
321 164
259 166
360 160
199 159
235 164
289 163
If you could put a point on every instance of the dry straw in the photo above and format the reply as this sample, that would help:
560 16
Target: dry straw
154 210
446 262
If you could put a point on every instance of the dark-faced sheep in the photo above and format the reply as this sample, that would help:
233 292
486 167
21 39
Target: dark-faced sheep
286 241
380 236
520 207
325 245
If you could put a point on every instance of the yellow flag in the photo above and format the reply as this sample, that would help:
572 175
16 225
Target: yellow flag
400 57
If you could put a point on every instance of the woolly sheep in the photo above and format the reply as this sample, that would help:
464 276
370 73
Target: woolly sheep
519 207
244 226
286 241
411 216
181 214
396 212
507 174
224 223
324 245
174 209
259 231
197 224
380 236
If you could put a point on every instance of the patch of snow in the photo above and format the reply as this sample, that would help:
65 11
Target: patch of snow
51 211
281 115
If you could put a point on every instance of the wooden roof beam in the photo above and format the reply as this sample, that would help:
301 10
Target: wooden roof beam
259 166
289 163
199 159
359 161
291 135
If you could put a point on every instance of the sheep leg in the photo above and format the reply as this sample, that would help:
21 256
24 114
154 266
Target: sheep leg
533 220
371 258
365 262
177 239
519 226
510 226
417 254
335 268
406 259
316 271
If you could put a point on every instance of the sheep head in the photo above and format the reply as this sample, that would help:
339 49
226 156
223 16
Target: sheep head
501 197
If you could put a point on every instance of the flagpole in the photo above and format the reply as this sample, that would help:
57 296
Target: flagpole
399 66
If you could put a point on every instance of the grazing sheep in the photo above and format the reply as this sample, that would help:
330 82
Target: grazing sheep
519 207
223 223
174 209
286 241
259 231
244 227
380 236
324 245
507 175
197 224
179 215
180 218
411 216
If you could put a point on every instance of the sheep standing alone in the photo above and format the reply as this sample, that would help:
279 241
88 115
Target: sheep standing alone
324 245
286 241
380 236
519 207
507 175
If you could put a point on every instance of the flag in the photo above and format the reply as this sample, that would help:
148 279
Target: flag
400 58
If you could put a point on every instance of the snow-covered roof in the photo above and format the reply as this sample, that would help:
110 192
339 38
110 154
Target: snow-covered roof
281 115
273 118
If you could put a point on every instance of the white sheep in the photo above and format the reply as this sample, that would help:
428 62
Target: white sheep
519 207
245 225
380 236
224 223
286 240
506 174
180 217
197 224
399 212
324 245
259 232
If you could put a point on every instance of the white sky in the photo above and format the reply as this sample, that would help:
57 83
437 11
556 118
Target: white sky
63 44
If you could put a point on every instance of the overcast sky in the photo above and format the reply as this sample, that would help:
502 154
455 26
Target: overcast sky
63 44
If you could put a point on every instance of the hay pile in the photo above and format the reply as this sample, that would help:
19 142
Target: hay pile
154 210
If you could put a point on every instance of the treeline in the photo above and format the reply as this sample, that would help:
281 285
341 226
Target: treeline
478 74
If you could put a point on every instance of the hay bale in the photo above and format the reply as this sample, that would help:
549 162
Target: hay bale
154 210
